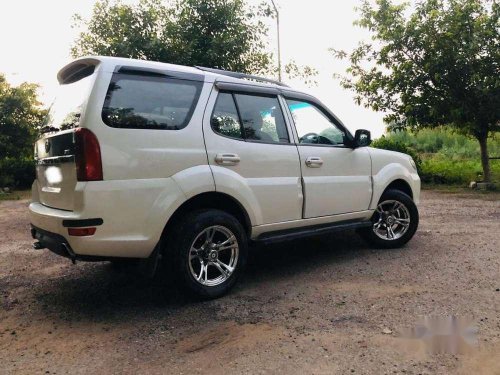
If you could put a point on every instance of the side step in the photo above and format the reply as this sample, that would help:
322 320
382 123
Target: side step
296 233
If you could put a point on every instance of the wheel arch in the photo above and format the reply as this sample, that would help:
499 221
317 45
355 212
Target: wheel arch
401 185
395 176
206 200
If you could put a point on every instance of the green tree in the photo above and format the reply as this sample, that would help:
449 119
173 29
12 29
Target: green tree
20 117
220 33
225 34
437 64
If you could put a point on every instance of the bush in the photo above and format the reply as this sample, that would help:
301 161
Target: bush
440 170
442 155
17 173
393 144
446 142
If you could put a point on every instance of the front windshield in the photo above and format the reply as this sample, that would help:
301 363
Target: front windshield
65 111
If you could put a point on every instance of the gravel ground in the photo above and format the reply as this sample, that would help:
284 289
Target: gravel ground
329 305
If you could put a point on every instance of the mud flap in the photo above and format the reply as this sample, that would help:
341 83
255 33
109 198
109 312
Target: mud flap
149 266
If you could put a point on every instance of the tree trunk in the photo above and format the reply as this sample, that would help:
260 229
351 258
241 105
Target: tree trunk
485 162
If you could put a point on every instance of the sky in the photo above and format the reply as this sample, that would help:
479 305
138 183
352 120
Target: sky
36 36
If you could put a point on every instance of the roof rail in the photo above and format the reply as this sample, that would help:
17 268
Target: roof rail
241 75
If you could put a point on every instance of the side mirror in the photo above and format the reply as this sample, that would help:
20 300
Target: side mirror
362 138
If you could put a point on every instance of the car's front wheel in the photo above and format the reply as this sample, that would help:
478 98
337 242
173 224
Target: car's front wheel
209 252
394 222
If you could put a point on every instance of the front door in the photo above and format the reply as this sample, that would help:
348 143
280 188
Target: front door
337 178
251 154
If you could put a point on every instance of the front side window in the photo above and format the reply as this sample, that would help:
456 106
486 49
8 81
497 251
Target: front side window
313 126
150 102
249 117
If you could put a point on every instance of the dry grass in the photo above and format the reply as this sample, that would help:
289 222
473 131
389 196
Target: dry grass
16 195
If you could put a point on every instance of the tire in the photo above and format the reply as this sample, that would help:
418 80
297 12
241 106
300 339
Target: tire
400 207
190 250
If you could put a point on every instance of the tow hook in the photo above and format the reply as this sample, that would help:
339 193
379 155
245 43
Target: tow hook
38 245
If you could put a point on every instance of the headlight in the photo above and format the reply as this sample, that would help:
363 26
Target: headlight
412 163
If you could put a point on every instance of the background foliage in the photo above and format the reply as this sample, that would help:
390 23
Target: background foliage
20 116
436 64
443 156
224 34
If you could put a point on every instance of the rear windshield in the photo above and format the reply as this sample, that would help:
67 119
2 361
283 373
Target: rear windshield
66 109
150 102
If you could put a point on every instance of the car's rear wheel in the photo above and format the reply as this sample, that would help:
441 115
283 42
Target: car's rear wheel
209 252
394 222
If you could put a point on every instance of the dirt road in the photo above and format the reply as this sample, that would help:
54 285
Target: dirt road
329 305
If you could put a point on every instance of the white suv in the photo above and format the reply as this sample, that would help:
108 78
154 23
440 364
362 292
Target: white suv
148 160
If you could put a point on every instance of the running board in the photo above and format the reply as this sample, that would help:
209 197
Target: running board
301 232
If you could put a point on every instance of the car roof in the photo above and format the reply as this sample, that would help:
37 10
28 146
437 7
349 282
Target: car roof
110 64
71 71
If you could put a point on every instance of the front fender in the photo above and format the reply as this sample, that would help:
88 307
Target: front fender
390 173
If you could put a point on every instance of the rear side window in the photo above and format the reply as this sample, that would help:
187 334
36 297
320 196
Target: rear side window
225 120
262 118
150 102
249 117
66 109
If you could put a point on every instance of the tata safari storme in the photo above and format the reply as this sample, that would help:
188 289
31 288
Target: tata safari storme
188 165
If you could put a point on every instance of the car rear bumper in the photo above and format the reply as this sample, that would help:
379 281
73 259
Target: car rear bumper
52 226
52 241
60 246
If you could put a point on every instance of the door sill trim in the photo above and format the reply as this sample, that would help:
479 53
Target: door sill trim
315 230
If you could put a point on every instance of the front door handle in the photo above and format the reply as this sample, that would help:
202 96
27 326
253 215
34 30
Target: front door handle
227 159
314 162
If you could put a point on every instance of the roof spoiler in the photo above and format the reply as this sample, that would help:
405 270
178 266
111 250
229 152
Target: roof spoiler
77 70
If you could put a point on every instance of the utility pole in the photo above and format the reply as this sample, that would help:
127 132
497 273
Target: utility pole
279 47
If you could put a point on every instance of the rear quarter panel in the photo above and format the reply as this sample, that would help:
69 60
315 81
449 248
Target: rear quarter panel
145 153
148 174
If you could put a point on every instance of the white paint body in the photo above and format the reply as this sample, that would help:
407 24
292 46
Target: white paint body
149 174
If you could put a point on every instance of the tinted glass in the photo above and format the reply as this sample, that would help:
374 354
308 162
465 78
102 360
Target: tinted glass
134 101
225 117
65 111
313 126
262 118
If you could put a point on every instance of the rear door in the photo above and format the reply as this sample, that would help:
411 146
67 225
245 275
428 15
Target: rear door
55 150
55 170
251 153
337 178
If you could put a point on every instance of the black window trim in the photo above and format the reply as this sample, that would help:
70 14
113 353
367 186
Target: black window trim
246 88
238 113
136 75
153 72
315 102
249 93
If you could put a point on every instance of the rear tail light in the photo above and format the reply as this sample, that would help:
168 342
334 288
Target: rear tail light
81 232
87 156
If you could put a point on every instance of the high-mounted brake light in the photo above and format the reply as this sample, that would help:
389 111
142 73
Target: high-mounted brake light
87 156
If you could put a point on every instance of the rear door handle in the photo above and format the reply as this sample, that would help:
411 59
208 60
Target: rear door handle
227 159
314 162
